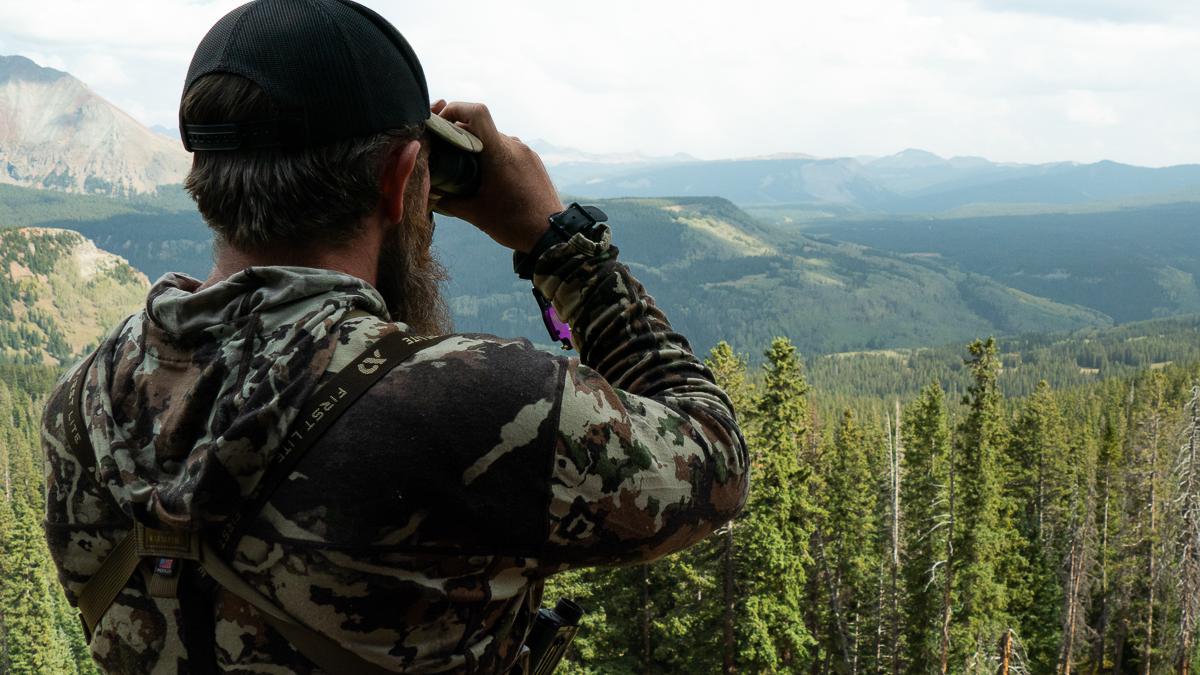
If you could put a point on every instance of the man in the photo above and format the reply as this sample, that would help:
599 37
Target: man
418 530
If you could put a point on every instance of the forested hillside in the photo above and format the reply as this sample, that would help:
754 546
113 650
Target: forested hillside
722 275
719 273
1129 263
39 632
59 293
1063 360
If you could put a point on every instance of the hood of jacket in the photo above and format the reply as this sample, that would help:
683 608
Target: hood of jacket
187 401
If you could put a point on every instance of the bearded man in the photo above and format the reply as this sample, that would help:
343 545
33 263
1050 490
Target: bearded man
199 522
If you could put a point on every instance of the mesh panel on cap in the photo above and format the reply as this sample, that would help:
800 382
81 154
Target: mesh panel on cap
338 66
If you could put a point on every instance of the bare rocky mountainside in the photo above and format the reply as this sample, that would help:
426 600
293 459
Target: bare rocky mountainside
56 133
59 293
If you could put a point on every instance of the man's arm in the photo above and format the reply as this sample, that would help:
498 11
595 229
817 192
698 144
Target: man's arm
649 458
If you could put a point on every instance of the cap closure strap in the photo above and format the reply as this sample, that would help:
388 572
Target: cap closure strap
271 133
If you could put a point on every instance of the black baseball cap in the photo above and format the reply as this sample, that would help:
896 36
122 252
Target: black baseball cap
333 68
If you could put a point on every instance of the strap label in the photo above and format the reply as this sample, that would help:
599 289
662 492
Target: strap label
151 543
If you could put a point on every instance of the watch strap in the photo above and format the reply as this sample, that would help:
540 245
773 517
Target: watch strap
563 225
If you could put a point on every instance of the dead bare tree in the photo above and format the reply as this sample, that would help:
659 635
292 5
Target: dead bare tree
835 601
897 458
729 599
947 587
1187 473
1077 574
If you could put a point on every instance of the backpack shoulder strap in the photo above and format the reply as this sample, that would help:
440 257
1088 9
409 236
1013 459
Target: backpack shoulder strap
317 414
315 417
78 443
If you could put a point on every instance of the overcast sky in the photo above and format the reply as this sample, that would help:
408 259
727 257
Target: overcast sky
1011 80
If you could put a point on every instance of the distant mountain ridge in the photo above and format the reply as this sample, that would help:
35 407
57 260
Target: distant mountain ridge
911 181
56 133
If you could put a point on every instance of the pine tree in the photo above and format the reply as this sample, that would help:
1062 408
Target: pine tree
39 633
33 643
1038 458
850 531
774 531
1147 494
729 371
983 541
926 526
1110 465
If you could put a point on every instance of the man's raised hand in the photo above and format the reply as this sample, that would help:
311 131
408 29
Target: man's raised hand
515 196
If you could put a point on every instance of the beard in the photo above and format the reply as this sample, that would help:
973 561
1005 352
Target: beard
410 276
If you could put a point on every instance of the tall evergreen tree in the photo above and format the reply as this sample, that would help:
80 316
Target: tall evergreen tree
926 526
850 530
774 531
983 541
34 644
1038 461
729 370
1110 500
1147 493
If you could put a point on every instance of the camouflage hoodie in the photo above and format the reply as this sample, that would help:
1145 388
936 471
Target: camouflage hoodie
419 530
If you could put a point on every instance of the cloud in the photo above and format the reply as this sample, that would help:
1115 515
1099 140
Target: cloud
1014 81
1138 11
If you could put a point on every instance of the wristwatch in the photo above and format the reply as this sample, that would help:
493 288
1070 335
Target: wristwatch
563 226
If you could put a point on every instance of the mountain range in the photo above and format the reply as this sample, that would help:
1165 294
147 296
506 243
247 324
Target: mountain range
911 181
795 245
56 133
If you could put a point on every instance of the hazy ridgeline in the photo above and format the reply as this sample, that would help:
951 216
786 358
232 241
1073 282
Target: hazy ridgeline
889 536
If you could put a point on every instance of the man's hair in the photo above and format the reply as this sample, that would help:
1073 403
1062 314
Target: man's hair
254 198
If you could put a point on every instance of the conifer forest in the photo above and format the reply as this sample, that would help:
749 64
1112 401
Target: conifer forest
1056 530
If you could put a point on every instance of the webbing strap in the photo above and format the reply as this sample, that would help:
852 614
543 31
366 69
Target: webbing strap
329 655
100 591
77 439
315 417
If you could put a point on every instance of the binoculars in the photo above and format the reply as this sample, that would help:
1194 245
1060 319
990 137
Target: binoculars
453 159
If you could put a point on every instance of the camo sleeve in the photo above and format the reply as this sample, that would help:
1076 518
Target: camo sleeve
648 457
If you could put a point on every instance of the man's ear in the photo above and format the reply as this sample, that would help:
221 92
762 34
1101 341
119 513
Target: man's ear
397 171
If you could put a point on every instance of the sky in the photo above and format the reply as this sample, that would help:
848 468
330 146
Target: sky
1011 80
